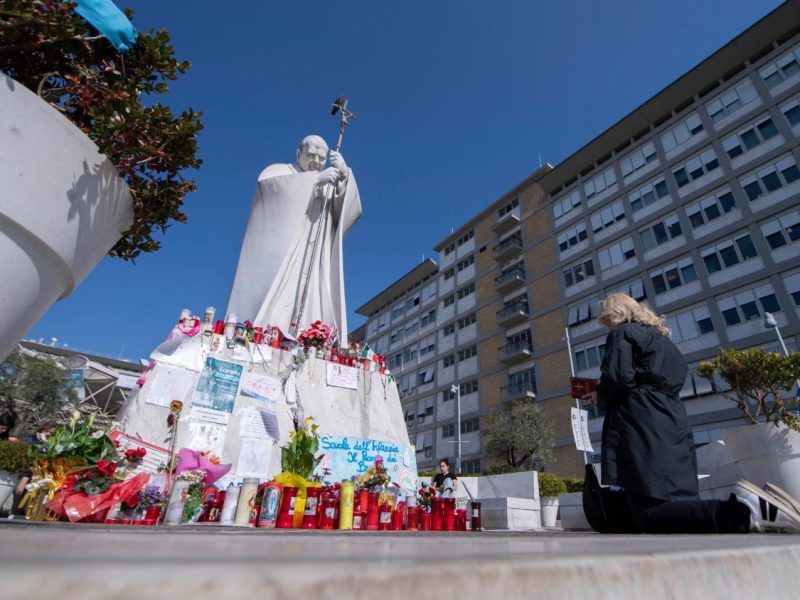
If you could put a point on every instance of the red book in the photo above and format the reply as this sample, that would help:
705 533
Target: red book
580 386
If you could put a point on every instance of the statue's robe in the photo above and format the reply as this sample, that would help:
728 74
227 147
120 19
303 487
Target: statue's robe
277 247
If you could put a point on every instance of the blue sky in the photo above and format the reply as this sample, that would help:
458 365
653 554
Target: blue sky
456 102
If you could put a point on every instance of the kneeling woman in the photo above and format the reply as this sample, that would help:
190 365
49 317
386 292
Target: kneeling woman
648 448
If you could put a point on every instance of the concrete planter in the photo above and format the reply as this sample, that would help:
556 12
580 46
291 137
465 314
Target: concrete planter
8 481
572 516
549 511
62 207
765 453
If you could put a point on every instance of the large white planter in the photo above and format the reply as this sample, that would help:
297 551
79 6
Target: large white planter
62 207
8 481
765 453
549 511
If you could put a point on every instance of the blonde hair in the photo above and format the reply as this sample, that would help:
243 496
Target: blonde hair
621 308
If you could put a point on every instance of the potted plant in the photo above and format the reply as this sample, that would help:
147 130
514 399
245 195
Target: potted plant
14 463
90 162
550 486
299 459
763 386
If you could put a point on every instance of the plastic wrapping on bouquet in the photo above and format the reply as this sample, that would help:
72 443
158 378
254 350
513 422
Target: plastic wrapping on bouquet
286 513
270 504
449 510
310 517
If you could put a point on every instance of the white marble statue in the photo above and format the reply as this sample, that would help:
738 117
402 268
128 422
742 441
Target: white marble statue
277 248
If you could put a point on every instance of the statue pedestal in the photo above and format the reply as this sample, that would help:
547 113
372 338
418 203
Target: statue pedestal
243 411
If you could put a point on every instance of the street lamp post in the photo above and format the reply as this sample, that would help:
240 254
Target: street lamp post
457 390
771 323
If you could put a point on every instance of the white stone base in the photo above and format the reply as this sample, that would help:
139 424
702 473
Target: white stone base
572 516
516 514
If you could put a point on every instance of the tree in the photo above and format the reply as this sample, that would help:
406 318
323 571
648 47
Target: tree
111 97
34 390
763 384
522 436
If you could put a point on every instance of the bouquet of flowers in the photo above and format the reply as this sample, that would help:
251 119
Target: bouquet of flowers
374 477
151 495
193 499
298 461
425 495
316 336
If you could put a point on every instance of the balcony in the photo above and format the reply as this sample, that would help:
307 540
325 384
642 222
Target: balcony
518 391
510 280
513 314
505 223
515 352
508 248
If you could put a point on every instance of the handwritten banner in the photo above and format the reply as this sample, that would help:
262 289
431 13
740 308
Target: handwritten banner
342 376
346 457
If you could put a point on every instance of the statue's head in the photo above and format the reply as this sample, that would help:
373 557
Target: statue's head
312 153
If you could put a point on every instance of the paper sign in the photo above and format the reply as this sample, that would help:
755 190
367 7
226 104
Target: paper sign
342 376
205 437
580 429
167 383
254 458
258 424
209 415
218 385
346 456
261 387
155 459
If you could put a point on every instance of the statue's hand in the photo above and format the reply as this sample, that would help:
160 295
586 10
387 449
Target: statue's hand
329 176
337 162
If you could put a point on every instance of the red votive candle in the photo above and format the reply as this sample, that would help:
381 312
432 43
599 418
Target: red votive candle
286 514
385 521
437 512
425 520
449 514
475 519
372 511
312 505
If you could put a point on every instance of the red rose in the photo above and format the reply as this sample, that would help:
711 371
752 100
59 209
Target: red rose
171 419
106 467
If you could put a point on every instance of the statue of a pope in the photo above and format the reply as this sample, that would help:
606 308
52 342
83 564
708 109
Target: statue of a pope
276 256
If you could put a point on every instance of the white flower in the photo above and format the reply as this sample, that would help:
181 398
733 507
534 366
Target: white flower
59 448
98 434
76 415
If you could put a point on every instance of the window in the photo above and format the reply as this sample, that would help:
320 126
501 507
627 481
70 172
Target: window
690 324
426 375
467 321
466 291
424 408
616 254
732 100
660 232
449 329
728 253
429 291
412 302
383 320
677 134
783 230
791 110
566 204
409 354
782 69
449 274
572 236
450 248
710 208
428 319
582 312
696 167
467 353
504 210
397 336
633 288
395 361
599 183
770 177
449 431
411 329
463 264
606 217
465 238
673 276
748 304
471 467
397 311
525 380
792 283
751 136
589 357
427 346
578 272
638 159
470 425
470 387
448 361
448 300
648 194
448 395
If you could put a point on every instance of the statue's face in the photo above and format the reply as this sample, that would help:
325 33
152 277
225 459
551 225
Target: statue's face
311 156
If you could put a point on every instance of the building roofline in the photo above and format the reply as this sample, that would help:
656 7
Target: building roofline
103 360
422 271
750 43
535 176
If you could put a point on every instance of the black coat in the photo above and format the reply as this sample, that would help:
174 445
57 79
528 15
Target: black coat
648 446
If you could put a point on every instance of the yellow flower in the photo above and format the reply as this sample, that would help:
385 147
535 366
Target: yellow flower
314 429
308 420
176 406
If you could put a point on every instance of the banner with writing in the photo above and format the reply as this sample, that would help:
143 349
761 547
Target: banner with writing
347 456
341 376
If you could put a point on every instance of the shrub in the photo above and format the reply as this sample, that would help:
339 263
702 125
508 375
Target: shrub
551 485
14 457
573 485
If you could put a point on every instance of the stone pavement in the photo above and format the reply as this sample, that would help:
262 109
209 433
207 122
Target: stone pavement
64 561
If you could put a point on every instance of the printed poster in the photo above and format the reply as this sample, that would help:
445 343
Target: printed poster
218 386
